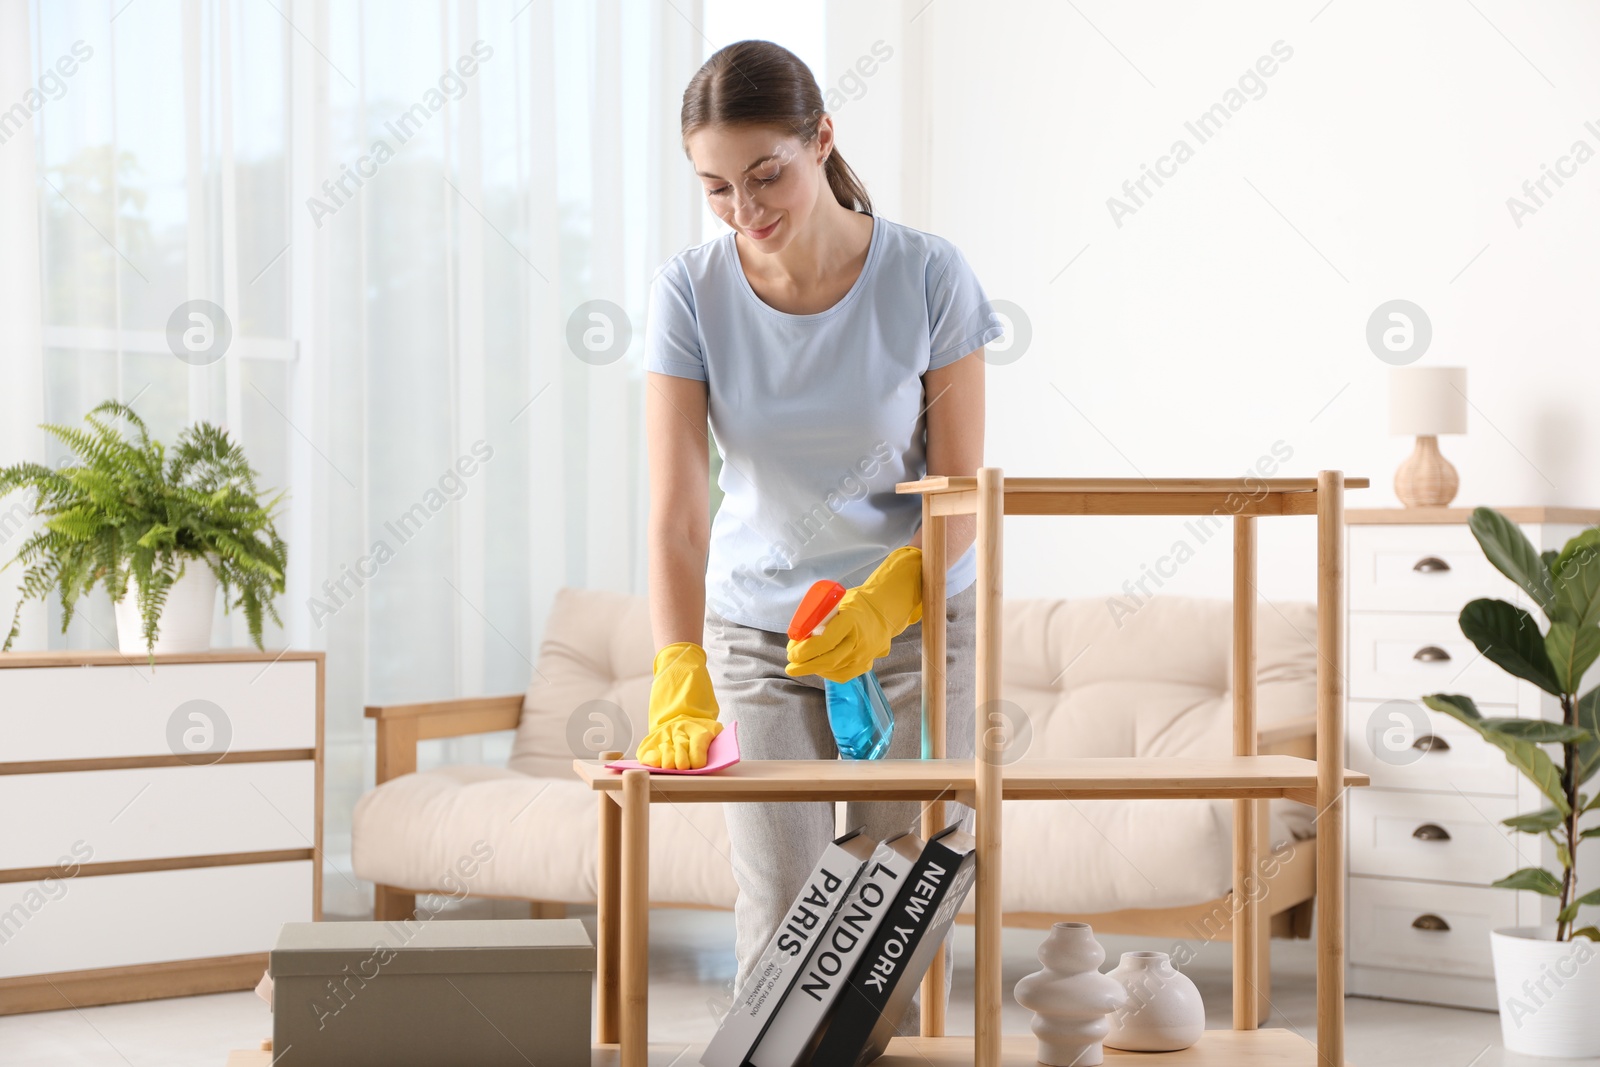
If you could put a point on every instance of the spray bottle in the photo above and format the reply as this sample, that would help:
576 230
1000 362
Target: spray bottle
858 712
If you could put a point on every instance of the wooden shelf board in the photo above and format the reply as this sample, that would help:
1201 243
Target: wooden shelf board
1087 778
1537 513
1218 1048
943 483
1157 777
951 495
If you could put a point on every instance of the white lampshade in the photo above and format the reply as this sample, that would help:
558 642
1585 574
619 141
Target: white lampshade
1427 400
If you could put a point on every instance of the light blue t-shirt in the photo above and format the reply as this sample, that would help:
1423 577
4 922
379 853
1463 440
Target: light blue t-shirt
816 416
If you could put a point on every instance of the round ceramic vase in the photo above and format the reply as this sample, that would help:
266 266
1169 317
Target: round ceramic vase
1163 1013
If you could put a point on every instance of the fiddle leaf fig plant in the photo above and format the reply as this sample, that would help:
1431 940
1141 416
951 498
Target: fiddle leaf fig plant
129 508
1565 586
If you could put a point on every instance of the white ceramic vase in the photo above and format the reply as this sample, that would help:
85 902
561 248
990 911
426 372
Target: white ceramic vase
1547 991
185 621
1070 998
1164 1012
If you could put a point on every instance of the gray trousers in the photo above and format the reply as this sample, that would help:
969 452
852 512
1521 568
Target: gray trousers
776 845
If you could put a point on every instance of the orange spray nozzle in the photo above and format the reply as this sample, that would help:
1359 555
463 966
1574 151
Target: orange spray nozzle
815 608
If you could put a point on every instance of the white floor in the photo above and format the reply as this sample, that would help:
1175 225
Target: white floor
691 970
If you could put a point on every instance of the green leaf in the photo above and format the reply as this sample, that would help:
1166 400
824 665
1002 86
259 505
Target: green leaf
1576 576
1570 912
1571 649
79 523
1510 637
1587 757
1536 879
157 534
1526 756
1536 822
1540 731
1509 549
1591 932
1458 706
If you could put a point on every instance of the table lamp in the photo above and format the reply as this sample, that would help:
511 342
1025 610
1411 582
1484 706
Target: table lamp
1427 401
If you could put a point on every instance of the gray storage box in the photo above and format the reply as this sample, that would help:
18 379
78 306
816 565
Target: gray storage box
486 992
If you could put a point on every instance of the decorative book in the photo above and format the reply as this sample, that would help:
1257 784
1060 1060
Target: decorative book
880 987
757 1001
792 1033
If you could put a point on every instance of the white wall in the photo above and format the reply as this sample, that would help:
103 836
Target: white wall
1229 312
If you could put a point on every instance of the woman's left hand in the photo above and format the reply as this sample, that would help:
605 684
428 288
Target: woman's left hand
868 617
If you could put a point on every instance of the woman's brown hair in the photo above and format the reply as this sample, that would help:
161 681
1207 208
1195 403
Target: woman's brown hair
759 83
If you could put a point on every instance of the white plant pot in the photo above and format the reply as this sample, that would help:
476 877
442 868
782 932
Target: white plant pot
1547 991
1164 1012
185 622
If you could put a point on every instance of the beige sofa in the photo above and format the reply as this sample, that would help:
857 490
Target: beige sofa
1156 683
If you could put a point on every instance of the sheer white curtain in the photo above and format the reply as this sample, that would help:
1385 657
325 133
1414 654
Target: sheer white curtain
406 211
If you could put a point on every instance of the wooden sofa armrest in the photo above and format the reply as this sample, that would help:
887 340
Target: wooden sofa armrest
1296 737
401 726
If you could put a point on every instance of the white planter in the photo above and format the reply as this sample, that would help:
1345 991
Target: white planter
1547 991
185 623
1164 1012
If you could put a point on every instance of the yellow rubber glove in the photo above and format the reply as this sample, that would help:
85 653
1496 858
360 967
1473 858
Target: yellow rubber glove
683 710
869 616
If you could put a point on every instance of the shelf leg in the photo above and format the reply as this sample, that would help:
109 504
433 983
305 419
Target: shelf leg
1264 923
635 898
987 770
934 690
608 902
1246 813
1330 768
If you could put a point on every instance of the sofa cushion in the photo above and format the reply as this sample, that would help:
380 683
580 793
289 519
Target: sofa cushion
1086 857
534 838
1157 683
590 691
1089 681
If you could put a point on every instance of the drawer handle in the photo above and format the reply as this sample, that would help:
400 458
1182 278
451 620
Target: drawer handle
1430 922
1431 654
1430 743
1429 831
1430 565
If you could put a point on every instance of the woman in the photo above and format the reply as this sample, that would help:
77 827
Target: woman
821 343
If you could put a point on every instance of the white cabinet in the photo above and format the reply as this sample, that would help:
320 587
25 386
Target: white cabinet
161 822
1425 840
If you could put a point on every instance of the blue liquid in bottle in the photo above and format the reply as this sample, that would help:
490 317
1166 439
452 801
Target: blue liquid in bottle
858 712
860 716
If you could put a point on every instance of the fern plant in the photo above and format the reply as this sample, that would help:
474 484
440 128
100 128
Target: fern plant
131 509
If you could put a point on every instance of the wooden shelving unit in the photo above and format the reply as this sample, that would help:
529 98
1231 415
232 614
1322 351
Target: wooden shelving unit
1246 778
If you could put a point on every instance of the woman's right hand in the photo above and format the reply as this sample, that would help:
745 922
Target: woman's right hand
683 710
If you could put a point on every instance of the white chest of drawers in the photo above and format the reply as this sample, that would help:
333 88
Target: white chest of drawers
1425 841
159 824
